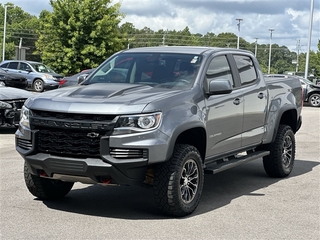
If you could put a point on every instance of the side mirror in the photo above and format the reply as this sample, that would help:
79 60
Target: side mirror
219 86
82 77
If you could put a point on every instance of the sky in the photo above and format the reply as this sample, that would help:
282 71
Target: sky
290 19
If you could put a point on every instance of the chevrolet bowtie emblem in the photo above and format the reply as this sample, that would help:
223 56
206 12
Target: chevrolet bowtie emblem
93 135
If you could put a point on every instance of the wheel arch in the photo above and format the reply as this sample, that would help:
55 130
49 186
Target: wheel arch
195 136
288 116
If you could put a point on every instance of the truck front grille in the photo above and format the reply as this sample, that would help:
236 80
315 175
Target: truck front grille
75 135
68 142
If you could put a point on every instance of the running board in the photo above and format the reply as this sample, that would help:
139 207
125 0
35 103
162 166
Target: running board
235 161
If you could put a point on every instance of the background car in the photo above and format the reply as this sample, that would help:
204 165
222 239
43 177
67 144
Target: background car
12 79
311 91
11 102
74 79
40 77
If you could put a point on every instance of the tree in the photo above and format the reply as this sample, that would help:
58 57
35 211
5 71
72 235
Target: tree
79 34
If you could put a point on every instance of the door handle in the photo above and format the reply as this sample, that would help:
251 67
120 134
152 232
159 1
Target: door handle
260 95
236 101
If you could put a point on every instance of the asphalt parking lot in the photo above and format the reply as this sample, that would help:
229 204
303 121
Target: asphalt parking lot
240 203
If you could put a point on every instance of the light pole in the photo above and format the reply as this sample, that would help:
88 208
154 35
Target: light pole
239 20
255 49
271 30
4 31
309 39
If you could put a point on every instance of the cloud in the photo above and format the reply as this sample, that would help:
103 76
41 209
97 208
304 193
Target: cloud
289 18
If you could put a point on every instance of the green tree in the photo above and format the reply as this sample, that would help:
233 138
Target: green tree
79 34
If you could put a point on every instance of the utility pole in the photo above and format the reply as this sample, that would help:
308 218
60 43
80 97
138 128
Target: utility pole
271 30
164 37
255 49
239 20
309 39
298 49
4 30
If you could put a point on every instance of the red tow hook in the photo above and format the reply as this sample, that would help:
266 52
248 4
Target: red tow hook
106 180
43 173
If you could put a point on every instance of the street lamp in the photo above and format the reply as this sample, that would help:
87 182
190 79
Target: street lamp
309 39
271 30
4 31
255 49
239 20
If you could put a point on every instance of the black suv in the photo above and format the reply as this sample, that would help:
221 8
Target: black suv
12 79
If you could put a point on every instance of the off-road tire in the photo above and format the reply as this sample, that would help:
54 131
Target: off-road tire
178 182
280 162
38 85
314 100
43 188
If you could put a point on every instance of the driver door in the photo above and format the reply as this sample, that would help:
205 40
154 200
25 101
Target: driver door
224 116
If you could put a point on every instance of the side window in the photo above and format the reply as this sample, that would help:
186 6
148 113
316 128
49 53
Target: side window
13 65
219 69
246 69
24 66
4 65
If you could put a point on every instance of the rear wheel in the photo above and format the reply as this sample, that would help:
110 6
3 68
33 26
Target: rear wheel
46 188
314 100
38 85
178 182
282 153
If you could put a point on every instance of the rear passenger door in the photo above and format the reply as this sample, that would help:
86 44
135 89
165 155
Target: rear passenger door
11 67
255 102
224 112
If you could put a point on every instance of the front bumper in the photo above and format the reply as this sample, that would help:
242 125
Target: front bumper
81 170
51 84
111 165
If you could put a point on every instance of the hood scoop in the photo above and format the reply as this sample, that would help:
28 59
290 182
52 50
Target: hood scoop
103 91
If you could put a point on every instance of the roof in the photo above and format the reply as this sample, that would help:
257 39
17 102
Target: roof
175 49
26 61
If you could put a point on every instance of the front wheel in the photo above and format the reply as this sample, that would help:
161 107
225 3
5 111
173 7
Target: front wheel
282 153
38 85
178 182
314 100
43 188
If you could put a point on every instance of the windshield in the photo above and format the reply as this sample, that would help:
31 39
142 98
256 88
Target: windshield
169 70
39 67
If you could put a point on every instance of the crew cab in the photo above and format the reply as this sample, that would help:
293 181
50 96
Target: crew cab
160 117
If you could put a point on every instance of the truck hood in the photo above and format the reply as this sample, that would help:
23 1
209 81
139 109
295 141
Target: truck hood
10 93
100 98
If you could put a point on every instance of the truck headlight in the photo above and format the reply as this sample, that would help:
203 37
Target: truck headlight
25 117
137 123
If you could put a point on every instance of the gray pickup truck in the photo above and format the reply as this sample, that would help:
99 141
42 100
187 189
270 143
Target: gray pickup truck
160 117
